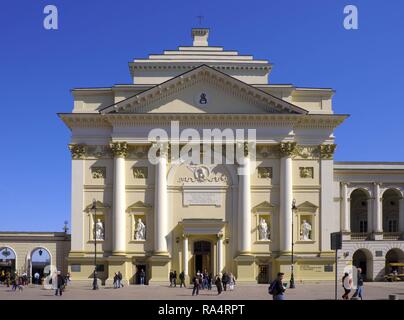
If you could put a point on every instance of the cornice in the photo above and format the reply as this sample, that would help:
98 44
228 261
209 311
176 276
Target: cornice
107 121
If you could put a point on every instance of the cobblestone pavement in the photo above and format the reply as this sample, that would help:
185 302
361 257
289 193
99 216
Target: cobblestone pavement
314 291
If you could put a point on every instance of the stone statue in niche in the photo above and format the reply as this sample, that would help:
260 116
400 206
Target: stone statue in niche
305 231
263 230
99 230
140 231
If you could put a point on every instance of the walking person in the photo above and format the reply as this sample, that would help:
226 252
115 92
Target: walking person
195 282
67 278
347 285
232 281
8 279
276 289
116 280
120 283
210 281
175 278
218 284
171 278
359 288
182 279
36 278
60 282
225 280
142 277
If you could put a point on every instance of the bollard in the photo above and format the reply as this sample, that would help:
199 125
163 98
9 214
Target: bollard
393 297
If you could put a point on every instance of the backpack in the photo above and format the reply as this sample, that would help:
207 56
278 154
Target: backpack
271 288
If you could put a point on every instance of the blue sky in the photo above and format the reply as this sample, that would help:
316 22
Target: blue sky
96 39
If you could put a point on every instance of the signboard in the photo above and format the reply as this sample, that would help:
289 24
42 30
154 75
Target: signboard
336 241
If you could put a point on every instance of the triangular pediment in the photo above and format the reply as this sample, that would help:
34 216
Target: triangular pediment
99 206
138 206
264 206
204 90
307 207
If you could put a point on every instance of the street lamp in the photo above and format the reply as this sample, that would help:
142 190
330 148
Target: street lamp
292 278
94 207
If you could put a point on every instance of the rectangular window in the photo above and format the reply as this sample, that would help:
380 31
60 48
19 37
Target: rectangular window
76 268
363 226
393 226
100 268
329 268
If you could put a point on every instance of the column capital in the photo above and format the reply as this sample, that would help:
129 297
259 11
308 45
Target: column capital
327 151
219 236
287 149
185 236
119 149
78 151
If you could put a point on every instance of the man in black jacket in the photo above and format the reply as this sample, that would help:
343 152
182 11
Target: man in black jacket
60 282
182 279
276 288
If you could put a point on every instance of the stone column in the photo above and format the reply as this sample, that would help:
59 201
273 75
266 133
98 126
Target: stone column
371 220
245 204
286 196
185 255
77 204
219 253
161 203
119 150
401 216
346 217
327 194
377 209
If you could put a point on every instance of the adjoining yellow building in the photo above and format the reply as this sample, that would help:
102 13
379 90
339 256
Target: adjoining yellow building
170 215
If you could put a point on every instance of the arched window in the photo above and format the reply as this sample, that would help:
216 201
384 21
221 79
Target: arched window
391 199
359 211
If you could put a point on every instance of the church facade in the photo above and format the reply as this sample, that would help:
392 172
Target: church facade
273 185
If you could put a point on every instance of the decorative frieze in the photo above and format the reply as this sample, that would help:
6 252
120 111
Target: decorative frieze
119 149
327 151
98 152
77 150
307 152
138 151
306 172
287 149
98 172
264 172
140 172
267 151
203 174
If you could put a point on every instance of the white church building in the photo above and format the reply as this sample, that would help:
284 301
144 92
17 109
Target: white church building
169 214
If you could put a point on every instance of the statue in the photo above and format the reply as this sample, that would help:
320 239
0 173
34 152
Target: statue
140 232
263 230
305 230
99 230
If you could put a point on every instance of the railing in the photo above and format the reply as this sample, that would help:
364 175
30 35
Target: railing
391 235
360 236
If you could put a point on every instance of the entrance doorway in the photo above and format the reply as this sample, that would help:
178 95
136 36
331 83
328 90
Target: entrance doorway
202 256
362 258
7 263
40 259
140 268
